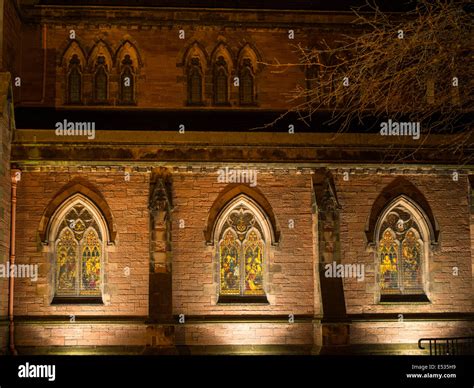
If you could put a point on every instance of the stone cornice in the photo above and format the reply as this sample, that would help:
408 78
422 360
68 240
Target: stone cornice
145 17
212 168
146 148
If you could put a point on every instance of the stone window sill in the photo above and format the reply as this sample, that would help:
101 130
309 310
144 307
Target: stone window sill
239 299
421 298
90 300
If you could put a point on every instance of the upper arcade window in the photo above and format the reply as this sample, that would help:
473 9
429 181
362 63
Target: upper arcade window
195 82
74 84
221 82
127 82
247 86
101 80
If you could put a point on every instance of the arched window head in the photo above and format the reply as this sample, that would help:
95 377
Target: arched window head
221 82
402 252
127 81
74 84
195 82
247 86
242 236
101 81
78 231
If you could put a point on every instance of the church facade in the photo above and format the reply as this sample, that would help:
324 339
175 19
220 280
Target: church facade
147 208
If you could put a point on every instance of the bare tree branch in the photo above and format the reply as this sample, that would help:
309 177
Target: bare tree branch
415 68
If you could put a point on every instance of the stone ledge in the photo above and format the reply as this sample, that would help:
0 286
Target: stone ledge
80 350
86 320
422 317
46 154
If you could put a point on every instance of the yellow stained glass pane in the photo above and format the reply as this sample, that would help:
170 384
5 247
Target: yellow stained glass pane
411 254
229 265
91 262
388 254
253 249
66 265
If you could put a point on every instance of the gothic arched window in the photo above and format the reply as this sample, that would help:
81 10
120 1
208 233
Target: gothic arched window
100 81
401 252
127 82
242 236
247 87
221 82
78 234
74 83
195 82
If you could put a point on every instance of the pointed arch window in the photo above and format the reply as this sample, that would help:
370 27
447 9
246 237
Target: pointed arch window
221 82
127 82
195 82
402 254
74 84
101 80
78 236
241 252
247 84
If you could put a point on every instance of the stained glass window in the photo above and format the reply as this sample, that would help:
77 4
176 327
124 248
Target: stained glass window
400 253
241 254
100 81
221 81
74 81
194 83
247 93
78 254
